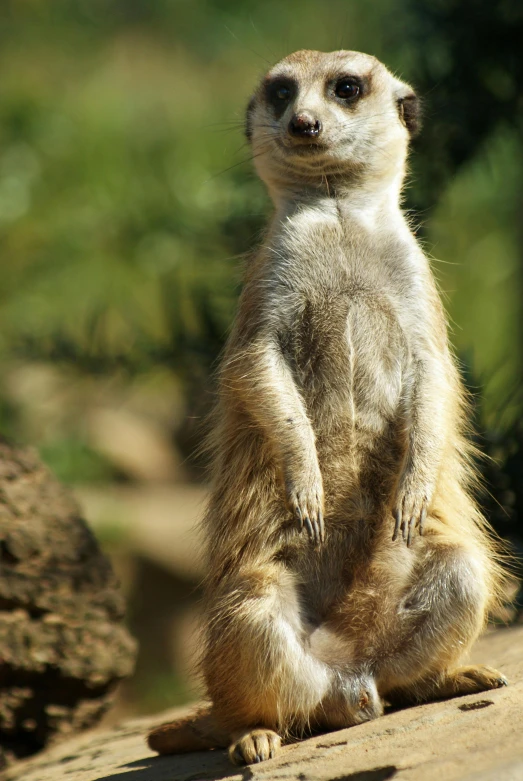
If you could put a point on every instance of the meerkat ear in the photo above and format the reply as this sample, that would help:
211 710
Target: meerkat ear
409 109
248 118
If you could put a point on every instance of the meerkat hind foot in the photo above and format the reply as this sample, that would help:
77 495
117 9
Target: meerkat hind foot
472 679
253 746
457 683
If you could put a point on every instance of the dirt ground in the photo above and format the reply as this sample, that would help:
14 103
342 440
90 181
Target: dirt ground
472 738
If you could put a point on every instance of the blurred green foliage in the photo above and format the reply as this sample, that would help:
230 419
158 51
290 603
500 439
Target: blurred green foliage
127 196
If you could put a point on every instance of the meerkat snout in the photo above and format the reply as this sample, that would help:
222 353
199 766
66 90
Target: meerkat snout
304 125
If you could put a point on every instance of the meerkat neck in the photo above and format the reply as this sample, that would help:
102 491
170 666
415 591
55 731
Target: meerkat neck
366 203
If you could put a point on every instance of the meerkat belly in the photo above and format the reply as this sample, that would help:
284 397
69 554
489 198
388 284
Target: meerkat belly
349 352
375 350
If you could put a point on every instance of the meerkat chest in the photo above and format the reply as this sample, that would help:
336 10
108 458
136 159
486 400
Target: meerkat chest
340 322
349 341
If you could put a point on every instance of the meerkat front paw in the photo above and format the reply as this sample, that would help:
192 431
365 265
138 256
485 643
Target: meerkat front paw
257 745
305 501
410 513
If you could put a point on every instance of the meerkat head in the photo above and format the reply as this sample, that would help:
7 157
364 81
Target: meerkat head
340 116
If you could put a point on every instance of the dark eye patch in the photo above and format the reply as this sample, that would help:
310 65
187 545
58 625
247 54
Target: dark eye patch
279 92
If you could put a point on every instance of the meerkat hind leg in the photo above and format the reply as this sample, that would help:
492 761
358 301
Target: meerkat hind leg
441 616
261 674
437 619
255 745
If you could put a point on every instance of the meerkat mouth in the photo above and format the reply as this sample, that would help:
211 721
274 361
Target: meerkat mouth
303 148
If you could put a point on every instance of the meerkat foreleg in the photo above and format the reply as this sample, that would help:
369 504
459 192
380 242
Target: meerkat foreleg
425 430
267 389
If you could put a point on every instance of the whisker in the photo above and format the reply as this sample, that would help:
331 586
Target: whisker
235 165
274 57
247 47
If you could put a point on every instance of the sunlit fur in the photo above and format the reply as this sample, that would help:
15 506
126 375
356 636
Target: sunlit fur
339 398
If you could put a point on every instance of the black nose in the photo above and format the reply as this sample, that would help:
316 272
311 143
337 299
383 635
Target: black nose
304 126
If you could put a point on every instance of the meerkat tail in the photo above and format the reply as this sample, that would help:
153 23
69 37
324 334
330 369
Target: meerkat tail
195 732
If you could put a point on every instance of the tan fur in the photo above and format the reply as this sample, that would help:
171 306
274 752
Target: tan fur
347 560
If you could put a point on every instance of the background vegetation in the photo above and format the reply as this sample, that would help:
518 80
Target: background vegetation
126 197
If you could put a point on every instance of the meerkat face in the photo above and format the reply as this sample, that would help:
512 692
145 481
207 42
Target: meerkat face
318 115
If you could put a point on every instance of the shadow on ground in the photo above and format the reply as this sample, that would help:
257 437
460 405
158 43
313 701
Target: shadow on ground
218 767
198 766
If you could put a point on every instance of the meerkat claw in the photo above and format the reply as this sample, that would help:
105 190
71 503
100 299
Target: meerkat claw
417 521
411 527
423 518
318 527
409 516
321 525
308 526
299 518
308 516
397 525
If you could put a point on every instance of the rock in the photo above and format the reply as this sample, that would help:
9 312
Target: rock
63 646
472 738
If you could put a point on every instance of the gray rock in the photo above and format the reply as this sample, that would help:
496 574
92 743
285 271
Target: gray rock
63 646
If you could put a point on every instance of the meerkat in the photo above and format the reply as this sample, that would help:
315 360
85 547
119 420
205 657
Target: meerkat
348 563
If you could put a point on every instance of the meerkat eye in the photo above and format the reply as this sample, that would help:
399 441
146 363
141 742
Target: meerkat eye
280 92
347 89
